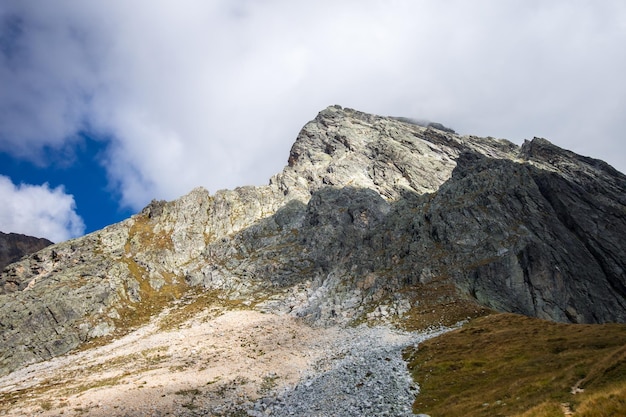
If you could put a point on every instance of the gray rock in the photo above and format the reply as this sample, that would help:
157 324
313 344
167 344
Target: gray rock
365 375
369 217
14 246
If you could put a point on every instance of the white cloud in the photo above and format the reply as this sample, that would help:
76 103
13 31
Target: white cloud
213 93
38 210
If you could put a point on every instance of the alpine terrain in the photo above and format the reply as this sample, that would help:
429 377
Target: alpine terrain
14 245
383 243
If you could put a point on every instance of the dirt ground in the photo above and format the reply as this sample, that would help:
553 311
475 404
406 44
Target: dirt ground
209 361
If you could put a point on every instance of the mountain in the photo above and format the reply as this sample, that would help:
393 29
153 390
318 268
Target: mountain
373 220
13 246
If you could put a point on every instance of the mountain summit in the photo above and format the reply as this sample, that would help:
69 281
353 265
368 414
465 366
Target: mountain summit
373 219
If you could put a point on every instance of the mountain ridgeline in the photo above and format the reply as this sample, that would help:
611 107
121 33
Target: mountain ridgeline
373 218
14 246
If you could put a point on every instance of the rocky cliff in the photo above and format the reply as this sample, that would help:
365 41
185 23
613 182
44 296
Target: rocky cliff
14 246
373 218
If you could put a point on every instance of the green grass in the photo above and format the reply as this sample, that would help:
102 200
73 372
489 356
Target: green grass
510 365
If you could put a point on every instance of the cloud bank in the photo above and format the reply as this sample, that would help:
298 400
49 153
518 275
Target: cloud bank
37 210
213 93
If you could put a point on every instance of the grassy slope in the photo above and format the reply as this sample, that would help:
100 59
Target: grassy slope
510 365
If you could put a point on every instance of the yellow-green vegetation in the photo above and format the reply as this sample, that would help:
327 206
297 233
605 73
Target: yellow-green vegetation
142 235
62 388
606 403
149 293
192 391
152 300
194 302
105 382
511 365
547 409
268 384
46 406
64 385
438 303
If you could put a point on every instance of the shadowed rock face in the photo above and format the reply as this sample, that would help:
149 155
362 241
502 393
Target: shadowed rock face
372 218
534 241
14 246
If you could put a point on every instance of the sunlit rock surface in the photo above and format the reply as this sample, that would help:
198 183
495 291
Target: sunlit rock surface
372 219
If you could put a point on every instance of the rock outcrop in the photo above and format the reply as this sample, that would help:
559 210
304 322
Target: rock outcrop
373 218
14 246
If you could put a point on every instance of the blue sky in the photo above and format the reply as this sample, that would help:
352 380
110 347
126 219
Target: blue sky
79 172
105 105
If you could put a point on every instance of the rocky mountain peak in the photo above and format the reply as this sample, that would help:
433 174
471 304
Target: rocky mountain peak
372 219
549 157
344 147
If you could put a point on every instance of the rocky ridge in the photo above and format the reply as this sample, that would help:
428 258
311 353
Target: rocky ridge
14 246
372 219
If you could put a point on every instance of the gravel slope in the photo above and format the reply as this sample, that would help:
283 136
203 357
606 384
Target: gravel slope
363 374
229 363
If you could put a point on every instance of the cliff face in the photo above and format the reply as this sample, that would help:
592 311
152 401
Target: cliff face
14 246
373 218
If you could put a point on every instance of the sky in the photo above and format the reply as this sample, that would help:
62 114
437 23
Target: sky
108 104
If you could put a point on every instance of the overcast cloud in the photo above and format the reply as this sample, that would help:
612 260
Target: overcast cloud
213 93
